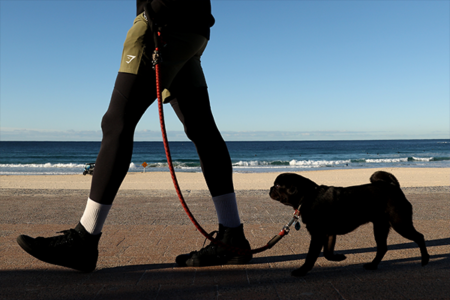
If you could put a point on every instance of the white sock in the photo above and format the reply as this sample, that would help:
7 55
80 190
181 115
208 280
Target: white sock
227 210
94 216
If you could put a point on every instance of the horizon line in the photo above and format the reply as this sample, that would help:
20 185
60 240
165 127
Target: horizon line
183 141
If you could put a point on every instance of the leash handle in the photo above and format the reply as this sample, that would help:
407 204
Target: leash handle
154 28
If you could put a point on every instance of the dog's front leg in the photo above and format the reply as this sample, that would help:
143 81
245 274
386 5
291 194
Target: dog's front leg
328 250
313 253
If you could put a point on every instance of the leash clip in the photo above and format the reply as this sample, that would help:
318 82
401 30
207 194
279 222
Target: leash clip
156 58
295 220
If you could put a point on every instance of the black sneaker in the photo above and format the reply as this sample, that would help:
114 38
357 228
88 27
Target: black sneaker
76 248
213 255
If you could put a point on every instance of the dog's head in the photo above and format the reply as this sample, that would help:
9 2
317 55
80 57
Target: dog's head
290 189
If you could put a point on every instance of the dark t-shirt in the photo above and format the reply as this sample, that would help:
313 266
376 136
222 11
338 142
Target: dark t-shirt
182 15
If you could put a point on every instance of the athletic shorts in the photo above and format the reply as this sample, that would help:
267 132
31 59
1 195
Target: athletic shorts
180 67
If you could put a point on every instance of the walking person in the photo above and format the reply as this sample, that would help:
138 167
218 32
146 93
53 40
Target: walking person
186 30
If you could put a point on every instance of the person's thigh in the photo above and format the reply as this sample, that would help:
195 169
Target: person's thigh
137 48
181 68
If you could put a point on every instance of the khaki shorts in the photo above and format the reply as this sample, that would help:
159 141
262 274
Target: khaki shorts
181 67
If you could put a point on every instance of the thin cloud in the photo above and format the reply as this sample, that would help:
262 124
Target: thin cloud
21 134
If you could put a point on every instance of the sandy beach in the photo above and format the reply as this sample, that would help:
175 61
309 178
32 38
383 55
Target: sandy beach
408 177
147 228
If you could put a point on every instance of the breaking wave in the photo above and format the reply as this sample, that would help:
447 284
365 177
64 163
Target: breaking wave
46 165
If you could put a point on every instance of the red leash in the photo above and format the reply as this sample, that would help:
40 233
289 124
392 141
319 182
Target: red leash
271 243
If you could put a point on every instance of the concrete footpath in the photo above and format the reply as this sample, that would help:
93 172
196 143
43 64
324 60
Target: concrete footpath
146 230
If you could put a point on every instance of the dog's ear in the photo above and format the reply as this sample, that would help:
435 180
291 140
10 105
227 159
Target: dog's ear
292 190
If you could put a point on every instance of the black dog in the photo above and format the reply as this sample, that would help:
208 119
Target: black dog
328 211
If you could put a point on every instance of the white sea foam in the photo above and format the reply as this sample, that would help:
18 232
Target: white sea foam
41 169
252 163
423 158
134 166
176 165
387 160
46 165
37 172
317 163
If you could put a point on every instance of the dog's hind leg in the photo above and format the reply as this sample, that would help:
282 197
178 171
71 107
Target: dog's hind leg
328 250
407 230
381 231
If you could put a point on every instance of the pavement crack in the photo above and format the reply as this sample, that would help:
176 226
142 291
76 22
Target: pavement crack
100 291
337 291
157 292
276 290
217 291
120 242
142 276
193 279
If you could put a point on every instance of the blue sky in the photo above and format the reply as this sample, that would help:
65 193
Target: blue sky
276 70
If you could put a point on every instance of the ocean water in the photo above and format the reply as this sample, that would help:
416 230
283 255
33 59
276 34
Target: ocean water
47 158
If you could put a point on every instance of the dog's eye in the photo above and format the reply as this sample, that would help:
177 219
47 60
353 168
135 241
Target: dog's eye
277 186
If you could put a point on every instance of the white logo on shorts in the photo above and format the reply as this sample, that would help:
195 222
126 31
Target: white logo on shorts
130 58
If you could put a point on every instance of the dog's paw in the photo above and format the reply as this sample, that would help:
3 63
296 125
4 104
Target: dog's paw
370 266
299 272
336 257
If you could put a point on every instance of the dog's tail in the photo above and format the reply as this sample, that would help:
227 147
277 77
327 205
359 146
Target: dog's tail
384 177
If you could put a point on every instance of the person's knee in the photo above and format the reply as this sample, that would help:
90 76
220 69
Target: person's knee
200 132
193 109
116 125
192 132
111 125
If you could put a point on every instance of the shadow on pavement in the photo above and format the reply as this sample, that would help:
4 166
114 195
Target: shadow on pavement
273 259
395 279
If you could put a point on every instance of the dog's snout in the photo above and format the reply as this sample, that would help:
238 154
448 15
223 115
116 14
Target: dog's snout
273 193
